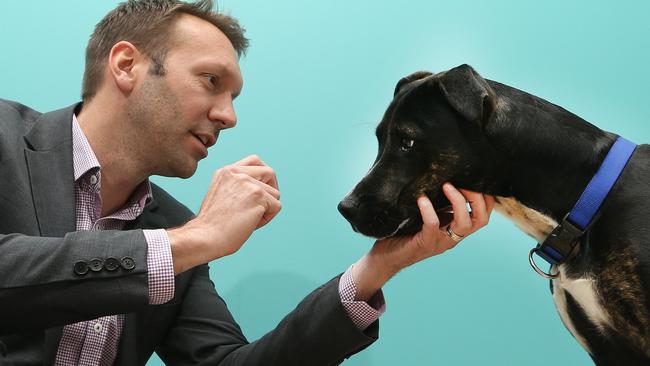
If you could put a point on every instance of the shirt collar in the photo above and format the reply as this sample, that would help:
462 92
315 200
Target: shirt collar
82 154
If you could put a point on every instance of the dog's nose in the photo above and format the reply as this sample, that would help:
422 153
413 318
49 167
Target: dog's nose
349 207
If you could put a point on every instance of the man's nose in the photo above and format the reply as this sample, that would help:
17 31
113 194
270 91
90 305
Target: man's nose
349 207
223 112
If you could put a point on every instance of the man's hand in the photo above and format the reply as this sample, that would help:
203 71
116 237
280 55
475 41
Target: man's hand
242 197
388 256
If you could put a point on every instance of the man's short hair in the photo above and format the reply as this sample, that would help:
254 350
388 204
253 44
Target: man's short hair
147 24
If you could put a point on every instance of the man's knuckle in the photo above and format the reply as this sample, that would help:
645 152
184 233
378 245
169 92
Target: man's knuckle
242 178
257 190
226 171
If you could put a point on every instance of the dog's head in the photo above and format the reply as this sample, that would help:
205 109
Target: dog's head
431 133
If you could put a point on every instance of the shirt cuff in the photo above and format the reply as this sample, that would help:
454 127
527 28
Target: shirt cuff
362 313
160 266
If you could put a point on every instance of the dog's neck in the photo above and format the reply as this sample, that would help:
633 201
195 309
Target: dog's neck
530 221
549 154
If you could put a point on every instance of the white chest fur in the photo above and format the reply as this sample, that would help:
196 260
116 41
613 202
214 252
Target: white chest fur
582 290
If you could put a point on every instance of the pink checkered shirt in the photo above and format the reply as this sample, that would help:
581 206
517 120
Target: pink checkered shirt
95 342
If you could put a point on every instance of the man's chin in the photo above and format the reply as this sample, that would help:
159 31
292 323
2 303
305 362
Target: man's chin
182 170
189 171
185 175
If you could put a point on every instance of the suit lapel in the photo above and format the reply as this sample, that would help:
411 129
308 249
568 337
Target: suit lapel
51 345
149 219
127 350
49 161
51 173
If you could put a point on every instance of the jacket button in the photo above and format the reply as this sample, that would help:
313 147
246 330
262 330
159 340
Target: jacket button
128 263
81 268
96 264
111 264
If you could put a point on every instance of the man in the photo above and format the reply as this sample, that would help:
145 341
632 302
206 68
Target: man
100 267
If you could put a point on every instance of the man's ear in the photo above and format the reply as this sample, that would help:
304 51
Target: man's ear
122 65
414 76
468 93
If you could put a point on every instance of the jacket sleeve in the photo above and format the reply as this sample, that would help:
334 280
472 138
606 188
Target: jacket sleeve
45 282
317 332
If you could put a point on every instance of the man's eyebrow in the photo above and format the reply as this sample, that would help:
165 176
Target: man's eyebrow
213 66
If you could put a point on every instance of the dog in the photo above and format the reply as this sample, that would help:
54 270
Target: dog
536 158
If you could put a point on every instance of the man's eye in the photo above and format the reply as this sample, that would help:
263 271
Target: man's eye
406 144
213 80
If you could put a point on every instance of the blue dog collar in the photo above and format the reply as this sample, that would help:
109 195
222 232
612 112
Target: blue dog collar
557 247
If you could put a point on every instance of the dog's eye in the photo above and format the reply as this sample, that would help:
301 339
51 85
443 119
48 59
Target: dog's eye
406 144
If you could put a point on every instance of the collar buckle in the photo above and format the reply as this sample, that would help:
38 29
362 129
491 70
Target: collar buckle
557 247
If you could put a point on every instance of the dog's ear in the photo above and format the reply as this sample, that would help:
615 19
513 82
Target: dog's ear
468 93
407 79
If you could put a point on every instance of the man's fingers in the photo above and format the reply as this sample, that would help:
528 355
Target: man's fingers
273 207
253 160
270 190
263 173
429 217
477 203
489 203
462 222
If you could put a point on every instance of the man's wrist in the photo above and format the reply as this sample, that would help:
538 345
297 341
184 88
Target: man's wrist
185 249
370 275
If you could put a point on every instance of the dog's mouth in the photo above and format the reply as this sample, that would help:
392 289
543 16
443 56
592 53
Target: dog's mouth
399 220
413 224
445 215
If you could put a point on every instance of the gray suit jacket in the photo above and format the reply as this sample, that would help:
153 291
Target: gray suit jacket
40 291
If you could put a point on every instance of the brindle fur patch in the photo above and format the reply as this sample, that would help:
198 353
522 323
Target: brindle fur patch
620 287
439 172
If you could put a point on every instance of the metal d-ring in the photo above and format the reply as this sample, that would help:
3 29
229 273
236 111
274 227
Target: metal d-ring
537 269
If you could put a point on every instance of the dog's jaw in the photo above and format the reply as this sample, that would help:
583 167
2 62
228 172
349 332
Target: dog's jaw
399 227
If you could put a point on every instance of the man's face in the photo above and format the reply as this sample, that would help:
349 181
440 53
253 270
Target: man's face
178 116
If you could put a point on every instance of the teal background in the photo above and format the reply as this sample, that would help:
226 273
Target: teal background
317 79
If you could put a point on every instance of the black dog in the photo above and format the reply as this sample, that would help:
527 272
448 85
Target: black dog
536 158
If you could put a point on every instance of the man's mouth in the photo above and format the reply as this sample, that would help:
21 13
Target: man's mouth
206 139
